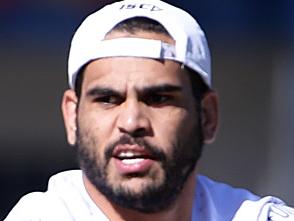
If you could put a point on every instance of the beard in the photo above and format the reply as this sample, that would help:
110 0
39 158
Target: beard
153 197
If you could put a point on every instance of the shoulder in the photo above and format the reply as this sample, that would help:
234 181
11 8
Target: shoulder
221 201
33 206
46 205
266 209
281 213
218 192
218 201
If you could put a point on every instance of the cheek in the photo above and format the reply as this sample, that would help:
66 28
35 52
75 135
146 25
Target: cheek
96 117
94 126
175 127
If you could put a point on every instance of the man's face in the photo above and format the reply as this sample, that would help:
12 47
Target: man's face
138 130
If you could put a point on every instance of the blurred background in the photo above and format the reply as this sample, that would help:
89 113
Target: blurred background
252 47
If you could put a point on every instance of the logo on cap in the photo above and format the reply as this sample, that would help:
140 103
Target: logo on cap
141 6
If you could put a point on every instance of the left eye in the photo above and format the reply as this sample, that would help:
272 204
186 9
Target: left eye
158 99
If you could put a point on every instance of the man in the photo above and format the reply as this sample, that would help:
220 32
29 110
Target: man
139 109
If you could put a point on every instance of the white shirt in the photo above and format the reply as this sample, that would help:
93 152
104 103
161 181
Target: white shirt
67 200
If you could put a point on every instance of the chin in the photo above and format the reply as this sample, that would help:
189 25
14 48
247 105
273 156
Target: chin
137 185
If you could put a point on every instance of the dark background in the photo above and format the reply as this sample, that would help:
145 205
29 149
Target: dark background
253 54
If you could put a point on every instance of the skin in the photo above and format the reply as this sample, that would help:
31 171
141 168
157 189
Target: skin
134 111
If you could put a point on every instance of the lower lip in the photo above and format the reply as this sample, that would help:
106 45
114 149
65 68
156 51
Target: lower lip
138 166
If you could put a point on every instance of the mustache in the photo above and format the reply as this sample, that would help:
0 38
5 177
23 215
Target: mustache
153 150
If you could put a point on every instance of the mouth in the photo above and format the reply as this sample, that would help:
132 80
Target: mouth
132 159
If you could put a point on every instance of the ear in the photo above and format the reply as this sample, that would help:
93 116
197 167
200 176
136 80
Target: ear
69 111
209 114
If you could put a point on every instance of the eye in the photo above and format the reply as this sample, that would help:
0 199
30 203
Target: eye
158 99
108 99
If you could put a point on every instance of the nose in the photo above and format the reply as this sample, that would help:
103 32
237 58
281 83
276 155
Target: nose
133 119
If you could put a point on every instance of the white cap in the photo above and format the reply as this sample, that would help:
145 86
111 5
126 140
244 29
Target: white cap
190 47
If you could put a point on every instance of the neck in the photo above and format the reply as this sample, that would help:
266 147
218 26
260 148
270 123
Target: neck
181 210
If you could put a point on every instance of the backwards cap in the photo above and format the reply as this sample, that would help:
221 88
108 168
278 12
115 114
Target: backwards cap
190 47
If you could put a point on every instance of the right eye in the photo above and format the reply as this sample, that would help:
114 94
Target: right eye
109 99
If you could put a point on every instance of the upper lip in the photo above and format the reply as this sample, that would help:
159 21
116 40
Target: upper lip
127 151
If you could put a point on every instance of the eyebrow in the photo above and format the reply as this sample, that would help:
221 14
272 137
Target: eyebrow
106 91
164 88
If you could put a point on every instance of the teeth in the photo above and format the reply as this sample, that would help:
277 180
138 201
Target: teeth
126 154
132 161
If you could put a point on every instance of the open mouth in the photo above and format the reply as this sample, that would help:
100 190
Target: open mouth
132 159
131 156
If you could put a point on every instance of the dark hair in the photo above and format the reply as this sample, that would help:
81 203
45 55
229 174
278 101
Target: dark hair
134 25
